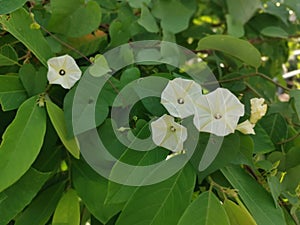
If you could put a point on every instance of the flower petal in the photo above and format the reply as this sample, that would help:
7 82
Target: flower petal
68 66
178 97
246 127
168 134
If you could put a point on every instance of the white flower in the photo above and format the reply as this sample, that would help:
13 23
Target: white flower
258 109
246 127
63 70
178 97
168 134
218 112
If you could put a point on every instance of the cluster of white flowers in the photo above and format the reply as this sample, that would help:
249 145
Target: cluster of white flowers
217 112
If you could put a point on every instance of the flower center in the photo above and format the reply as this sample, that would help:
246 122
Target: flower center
62 72
172 128
180 101
217 116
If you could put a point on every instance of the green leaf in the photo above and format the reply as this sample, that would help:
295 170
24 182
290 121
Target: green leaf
215 152
296 95
205 210
238 48
100 66
24 135
74 18
20 194
242 10
18 24
35 82
161 203
262 141
245 153
41 211
174 14
138 3
275 126
237 214
275 188
273 31
67 211
58 121
8 56
12 92
83 121
147 20
11 5
92 189
86 45
256 198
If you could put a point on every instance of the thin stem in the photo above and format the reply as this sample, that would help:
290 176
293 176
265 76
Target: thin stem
289 139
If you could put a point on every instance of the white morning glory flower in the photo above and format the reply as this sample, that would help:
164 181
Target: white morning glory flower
218 112
63 70
168 134
178 97
258 109
246 127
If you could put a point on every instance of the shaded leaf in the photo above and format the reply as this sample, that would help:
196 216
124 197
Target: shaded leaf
41 211
12 92
8 56
273 31
92 189
147 20
20 194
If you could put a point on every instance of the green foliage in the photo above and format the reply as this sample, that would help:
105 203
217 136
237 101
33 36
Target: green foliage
46 176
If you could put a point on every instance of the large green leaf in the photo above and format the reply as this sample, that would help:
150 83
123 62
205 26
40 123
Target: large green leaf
18 24
12 92
20 194
74 18
67 211
161 203
8 56
58 121
275 126
8 6
22 142
262 141
35 82
92 189
296 95
242 10
147 20
205 210
238 48
256 198
41 211
215 152
174 14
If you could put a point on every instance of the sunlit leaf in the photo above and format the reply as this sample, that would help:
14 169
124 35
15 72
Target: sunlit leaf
24 135
238 48
58 120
